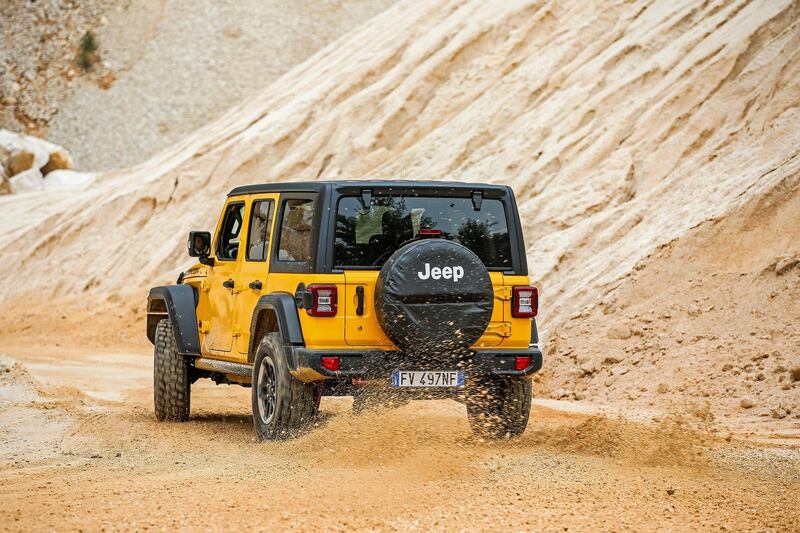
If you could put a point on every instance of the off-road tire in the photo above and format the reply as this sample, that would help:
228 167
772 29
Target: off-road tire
294 406
499 407
171 380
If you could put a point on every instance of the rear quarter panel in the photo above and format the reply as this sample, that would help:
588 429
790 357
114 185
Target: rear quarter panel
318 332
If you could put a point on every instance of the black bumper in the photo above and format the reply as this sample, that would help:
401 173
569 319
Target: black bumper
305 363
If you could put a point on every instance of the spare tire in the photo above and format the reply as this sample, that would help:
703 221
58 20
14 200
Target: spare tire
434 296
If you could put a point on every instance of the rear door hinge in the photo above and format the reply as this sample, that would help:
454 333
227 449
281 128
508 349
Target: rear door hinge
502 293
202 326
502 329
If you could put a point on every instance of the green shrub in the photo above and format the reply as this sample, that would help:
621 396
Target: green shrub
87 52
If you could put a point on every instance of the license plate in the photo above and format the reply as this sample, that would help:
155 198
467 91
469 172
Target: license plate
427 378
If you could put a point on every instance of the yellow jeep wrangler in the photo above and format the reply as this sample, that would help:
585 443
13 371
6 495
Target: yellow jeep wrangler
375 289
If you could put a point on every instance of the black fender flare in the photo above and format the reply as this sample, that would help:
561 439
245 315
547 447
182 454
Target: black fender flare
288 321
179 304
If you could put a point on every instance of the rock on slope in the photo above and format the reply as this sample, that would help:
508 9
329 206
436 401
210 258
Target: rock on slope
28 163
621 127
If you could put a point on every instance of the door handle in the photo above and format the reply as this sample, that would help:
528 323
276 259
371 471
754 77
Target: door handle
360 297
229 284
256 285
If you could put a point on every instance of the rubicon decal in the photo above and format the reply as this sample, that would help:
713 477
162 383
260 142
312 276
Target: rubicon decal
455 272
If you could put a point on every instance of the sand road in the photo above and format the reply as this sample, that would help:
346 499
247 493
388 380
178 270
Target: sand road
81 450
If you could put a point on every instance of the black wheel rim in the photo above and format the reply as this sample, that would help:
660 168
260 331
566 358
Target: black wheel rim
266 392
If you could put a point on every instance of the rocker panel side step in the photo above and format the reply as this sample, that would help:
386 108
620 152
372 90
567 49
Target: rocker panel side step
226 367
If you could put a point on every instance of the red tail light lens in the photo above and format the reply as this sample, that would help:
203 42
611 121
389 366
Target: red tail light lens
430 233
324 300
522 362
330 363
524 302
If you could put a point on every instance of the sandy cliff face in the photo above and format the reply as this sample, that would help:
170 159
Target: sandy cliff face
708 322
623 128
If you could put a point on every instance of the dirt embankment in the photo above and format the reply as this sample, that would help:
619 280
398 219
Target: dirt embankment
710 318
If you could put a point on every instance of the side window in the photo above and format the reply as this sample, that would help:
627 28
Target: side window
258 234
294 243
228 242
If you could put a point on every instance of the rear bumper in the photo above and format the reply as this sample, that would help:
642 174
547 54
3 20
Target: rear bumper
305 363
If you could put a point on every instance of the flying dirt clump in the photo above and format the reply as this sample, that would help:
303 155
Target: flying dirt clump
670 442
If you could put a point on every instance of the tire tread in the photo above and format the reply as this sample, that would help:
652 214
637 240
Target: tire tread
296 399
499 407
171 381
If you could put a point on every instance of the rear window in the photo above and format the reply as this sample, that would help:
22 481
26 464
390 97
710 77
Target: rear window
295 237
368 237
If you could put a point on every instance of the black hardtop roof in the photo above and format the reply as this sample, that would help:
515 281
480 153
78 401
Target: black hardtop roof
354 185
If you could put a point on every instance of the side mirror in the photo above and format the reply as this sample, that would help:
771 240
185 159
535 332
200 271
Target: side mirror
199 245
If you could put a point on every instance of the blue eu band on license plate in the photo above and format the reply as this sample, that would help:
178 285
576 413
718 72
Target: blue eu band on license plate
427 378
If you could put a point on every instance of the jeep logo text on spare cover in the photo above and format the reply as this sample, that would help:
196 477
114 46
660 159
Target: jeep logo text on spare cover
455 273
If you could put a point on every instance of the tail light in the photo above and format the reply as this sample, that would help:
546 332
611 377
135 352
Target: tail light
524 302
521 362
330 363
323 300
429 233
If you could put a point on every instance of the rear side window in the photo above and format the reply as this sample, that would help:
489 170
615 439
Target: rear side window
228 243
368 237
258 233
294 243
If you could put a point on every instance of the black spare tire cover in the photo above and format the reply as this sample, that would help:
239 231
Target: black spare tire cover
434 296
